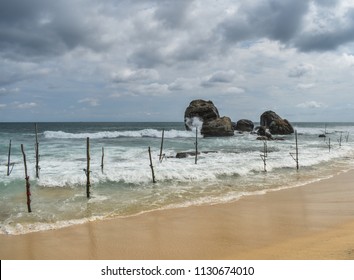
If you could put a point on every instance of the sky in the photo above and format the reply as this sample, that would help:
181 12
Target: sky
146 60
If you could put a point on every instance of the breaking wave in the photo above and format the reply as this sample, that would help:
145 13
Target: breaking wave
152 133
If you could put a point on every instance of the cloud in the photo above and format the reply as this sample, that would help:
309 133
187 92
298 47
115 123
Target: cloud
305 86
173 13
311 105
306 25
277 20
234 90
42 28
154 50
301 70
4 91
347 59
169 51
128 75
147 57
93 102
153 89
182 83
326 27
219 77
27 105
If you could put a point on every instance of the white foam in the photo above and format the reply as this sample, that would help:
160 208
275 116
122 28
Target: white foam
153 133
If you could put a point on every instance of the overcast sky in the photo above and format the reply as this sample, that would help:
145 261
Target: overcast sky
145 60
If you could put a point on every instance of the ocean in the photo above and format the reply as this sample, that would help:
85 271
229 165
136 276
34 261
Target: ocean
227 169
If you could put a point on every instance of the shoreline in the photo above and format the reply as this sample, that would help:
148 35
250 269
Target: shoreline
313 221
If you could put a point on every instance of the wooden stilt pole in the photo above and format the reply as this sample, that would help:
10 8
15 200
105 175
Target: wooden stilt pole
9 160
196 145
88 183
340 139
297 151
152 167
162 138
28 191
37 152
102 159
265 155
296 158
329 144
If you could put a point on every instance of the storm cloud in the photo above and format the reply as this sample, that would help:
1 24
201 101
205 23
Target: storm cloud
36 29
109 56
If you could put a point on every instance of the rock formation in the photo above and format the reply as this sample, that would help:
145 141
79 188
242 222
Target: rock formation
276 124
218 127
244 125
207 113
204 110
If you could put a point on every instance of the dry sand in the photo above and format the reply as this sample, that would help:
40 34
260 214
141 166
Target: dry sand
315 221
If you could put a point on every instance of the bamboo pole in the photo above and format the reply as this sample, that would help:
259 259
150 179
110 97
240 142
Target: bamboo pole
162 138
9 160
88 183
37 151
28 191
152 167
196 145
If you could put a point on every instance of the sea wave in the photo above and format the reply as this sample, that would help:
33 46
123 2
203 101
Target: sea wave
153 133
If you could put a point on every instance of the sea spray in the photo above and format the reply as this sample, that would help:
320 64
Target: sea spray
194 123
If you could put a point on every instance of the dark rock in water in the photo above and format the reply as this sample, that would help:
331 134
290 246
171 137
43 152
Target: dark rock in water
322 135
276 124
264 134
185 154
264 138
204 110
244 125
218 127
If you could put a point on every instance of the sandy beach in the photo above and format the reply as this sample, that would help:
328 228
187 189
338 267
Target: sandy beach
315 221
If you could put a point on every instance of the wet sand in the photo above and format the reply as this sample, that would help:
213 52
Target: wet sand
315 221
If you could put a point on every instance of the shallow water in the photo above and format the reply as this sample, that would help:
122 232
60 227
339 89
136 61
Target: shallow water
231 169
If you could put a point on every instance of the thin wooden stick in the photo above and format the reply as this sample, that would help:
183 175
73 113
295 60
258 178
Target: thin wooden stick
340 139
265 155
196 145
162 138
9 160
152 167
297 151
296 158
102 159
329 144
37 152
28 191
88 183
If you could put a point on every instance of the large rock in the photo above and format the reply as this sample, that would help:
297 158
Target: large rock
205 111
218 127
276 124
244 125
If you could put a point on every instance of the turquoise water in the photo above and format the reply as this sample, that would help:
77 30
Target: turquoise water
232 168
